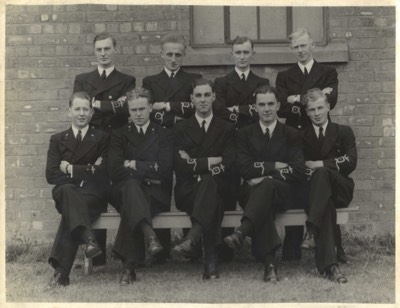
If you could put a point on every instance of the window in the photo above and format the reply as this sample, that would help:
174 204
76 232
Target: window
217 26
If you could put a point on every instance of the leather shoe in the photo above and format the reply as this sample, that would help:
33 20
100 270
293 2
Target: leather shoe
210 270
270 274
92 249
309 241
234 241
128 277
153 245
187 248
58 280
335 274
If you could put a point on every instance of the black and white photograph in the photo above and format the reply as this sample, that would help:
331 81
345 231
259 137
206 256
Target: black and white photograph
199 153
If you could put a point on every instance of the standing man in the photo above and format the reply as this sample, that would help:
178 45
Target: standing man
292 85
204 155
270 160
76 162
171 88
235 103
235 100
331 155
107 88
140 167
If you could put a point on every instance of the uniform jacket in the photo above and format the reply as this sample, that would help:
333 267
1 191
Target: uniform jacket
231 91
113 113
176 92
293 82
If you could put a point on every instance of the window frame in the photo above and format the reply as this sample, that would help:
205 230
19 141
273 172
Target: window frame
266 43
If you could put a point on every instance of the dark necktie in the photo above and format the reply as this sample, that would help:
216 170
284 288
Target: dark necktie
267 136
141 132
243 78
305 72
78 138
104 75
203 127
321 136
172 75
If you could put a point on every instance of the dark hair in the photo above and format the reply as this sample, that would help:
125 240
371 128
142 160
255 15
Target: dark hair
202 82
82 95
104 36
264 89
138 93
315 94
241 40
173 38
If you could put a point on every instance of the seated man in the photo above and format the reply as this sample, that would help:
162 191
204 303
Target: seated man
270 160
204 154
76 166
331 155
140 167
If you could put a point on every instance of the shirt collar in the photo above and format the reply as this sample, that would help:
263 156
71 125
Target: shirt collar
170 72
308 66
144 127
316 128
83 130
200 120
109 70
271 127
239 72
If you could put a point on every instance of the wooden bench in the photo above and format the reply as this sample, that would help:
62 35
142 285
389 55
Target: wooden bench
179 220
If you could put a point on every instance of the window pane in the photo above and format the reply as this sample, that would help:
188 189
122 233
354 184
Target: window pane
243 22
310 18
273 25
208 23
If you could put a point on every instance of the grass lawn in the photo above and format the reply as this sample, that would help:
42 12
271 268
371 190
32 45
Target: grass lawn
371 275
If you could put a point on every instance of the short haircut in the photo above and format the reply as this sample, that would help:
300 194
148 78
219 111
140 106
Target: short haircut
315 94
104 36
139 93
264 89
202 82
82 95
300 32
174 38
241 40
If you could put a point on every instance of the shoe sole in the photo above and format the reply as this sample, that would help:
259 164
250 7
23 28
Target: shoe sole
176 252
156 251
231 244
93 253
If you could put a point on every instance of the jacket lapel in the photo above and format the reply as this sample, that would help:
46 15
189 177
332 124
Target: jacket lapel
331 134
248 87
141 146
313 77
103 85
86 145
213 132
194 131
310 138
162 81
68 140
178 83
276 142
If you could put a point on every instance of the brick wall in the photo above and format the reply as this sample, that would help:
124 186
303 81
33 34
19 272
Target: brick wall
46 46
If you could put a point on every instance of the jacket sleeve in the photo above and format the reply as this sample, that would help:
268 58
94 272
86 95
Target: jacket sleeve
94 171
286 110
118 107
54 176
228 155
219 105
116 159
332 82
347 162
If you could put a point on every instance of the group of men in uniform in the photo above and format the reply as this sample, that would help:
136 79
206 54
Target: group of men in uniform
225 144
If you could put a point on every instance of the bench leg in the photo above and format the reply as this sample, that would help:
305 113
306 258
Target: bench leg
88 266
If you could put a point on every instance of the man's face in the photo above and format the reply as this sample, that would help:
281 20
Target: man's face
267 107
139 110
105 52
172 55
302 48
80 112
242 54
203 98
318 111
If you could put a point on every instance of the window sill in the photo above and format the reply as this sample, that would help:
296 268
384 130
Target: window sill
336 51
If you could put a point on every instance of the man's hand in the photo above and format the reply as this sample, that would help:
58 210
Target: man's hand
292 99
280 165
327 90
63 167
159 106
214 160
183 154
96 103
233 109
256 181
122 98
98 161
312 164
130 164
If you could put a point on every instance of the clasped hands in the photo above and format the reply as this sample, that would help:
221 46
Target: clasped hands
255 181
296 98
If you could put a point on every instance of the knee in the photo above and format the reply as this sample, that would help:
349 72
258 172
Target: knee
208 180
68 189
321 172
